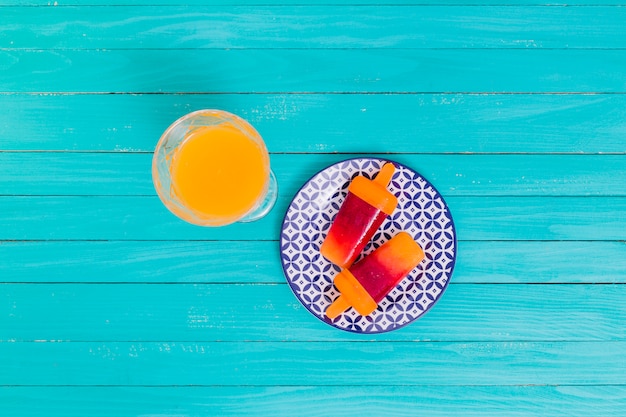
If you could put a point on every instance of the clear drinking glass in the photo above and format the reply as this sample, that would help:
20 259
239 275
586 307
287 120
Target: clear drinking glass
212 168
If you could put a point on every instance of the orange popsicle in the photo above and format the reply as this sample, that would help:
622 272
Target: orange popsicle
367 205
368 281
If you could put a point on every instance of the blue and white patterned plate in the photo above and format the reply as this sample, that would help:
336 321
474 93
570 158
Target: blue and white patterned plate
421 212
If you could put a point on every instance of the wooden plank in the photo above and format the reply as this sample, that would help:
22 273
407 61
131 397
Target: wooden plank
26 173
423 123
439 401
313 70
150 262
257 262
234 3
145 218
327 363
543 262
560 218
363 26
231 313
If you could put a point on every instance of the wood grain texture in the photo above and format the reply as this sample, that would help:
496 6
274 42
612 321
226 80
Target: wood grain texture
382 3
344 401
201 313
362 26
295 363
419 123
311 70
145 218
45 174
257 262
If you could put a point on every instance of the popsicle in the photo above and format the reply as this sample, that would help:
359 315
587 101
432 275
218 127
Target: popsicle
367 282
366 206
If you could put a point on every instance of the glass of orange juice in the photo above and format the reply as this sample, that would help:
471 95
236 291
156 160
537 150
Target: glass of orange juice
212 168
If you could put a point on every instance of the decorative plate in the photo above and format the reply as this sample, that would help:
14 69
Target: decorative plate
421 212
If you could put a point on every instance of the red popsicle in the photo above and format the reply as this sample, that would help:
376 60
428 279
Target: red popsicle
368 281
367 205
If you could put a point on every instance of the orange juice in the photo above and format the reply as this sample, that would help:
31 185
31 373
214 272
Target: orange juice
212 168
219 172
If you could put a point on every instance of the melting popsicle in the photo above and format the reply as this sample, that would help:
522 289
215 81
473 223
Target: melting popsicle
368 281
367 205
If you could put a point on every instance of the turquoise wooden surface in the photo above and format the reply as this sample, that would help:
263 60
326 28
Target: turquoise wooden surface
360 70
440 401
315 27
110 306
205 312
315 123
128 174
187 261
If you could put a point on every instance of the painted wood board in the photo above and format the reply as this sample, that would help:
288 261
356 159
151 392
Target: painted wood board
326 27
306 363
314 70
309 401
262 313
145 218
478 262
314 123
89 174
371 400
382 3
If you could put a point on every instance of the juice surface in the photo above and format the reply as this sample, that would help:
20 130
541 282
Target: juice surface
218 172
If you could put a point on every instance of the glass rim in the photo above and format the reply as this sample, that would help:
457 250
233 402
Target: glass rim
177 207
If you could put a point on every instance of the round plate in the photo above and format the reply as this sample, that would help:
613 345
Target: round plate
421 212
